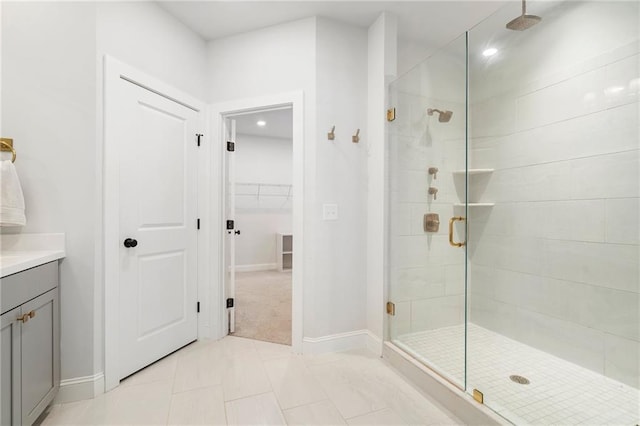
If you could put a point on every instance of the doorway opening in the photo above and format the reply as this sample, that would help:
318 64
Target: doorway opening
259 202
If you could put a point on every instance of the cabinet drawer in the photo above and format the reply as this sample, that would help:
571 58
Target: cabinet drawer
19 288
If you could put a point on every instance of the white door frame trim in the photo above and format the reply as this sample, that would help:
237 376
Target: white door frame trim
114 71
217 114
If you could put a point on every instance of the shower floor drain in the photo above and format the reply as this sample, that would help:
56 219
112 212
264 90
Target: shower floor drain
519 379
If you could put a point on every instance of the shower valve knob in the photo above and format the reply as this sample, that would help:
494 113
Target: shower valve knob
433 171
433 191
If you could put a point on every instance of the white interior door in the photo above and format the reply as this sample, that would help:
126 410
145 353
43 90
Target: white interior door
230 135
157 231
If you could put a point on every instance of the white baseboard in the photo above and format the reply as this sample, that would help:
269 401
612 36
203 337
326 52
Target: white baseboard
256 267
80 388
374 343
340 342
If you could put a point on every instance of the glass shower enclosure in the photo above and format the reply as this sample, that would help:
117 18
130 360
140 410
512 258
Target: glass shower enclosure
514 210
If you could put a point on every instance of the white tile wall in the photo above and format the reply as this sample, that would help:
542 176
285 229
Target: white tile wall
555 263
622 224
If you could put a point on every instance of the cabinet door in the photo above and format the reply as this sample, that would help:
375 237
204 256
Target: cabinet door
10 413
40 363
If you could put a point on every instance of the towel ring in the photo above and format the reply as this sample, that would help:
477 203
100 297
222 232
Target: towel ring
9 148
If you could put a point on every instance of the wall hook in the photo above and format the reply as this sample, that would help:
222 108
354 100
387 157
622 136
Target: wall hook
332 135
356 138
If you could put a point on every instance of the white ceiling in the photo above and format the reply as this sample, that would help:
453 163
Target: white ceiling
279 123
432 23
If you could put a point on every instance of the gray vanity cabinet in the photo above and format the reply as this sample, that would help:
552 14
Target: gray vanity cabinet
30 355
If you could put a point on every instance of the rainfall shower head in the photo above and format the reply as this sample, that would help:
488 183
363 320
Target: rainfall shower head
443 116
524 21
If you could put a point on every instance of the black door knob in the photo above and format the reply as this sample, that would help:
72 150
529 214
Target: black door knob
238 232
130 242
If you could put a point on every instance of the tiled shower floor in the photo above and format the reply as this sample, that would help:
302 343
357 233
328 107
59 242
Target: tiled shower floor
559 392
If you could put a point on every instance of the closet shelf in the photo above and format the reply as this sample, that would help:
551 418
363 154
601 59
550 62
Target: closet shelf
474 171
259 190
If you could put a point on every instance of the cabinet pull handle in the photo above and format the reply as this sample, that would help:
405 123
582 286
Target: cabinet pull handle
25 318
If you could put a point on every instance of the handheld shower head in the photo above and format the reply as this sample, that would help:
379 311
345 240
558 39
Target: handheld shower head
443 116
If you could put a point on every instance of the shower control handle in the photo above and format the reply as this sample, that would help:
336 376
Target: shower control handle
433 191
433 171
431 222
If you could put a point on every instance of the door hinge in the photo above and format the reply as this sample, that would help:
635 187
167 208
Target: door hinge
391 114
230 224
230 302
198 136
391 308
478 396
198 223
231 146
198 307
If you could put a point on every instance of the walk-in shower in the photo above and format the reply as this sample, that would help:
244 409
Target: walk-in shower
537 310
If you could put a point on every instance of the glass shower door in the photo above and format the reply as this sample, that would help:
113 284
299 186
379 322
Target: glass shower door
428 193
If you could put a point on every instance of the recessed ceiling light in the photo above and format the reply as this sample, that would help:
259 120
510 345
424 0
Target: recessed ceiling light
261 123
490 51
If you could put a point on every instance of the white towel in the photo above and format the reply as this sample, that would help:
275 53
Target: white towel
11 197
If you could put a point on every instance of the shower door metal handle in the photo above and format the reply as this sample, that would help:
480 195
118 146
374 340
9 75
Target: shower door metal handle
451 221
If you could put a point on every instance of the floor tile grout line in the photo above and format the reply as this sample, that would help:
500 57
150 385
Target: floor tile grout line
249 396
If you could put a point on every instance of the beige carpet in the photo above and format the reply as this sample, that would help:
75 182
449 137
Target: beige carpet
263 306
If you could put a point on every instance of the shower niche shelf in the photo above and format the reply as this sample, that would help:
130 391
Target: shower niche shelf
478 179
473 171
474 204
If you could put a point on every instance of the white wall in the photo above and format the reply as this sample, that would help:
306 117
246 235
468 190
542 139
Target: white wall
262 159
327 61
263 211
284 56
51 99
145 36
555 263
336 303
273 60
49 109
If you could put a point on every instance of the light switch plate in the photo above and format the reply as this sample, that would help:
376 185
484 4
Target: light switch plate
330 211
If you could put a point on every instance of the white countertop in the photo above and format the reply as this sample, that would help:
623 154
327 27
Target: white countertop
19 252
12 262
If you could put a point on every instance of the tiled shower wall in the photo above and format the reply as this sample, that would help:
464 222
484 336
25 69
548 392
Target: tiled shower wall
555 263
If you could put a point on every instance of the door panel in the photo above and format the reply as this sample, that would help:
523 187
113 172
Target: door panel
164 308
39 355
158 208
428 203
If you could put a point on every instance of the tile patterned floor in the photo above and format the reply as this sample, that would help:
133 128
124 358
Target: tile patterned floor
240 381
560 393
